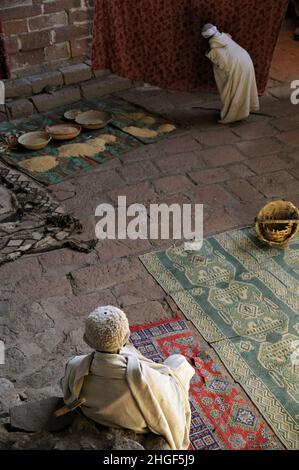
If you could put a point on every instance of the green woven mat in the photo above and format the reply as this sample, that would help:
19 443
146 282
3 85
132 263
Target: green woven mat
243 298
72 166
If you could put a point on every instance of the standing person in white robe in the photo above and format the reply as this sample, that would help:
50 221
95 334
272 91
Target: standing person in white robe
124 389
234 75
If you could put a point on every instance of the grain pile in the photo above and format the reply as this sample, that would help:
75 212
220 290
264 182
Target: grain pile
89 148
39 164
140 132
166 128
142 118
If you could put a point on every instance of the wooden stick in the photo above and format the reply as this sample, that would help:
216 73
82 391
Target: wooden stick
68 408
287 221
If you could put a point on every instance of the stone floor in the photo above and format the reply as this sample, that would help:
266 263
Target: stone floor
233 170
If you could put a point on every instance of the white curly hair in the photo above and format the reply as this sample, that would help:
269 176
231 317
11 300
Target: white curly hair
107 329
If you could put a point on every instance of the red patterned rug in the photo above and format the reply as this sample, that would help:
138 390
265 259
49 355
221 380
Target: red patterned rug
221 417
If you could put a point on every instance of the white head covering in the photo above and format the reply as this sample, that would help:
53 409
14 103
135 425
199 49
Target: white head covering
107 329
209 30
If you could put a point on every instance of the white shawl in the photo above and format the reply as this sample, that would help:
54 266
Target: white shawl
235 78
157 391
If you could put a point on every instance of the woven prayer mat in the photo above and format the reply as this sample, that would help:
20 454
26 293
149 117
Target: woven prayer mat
243 298
221 417
125 118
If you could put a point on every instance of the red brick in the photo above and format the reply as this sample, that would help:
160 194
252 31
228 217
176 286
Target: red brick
215 175
48 21
58 51
66 33
22 59
217 220
139 193
79 15
240 171
178 145
243 190
217 137
212 194
290 138
244 213
182 162
97 183
36 40
15 3
20 12
173 184
254 130
279 184
59 5
135 172
260 147
267 164
16 26
219 156
12 44
81 47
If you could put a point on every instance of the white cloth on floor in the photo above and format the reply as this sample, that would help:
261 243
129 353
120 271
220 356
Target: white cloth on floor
130 391
235 78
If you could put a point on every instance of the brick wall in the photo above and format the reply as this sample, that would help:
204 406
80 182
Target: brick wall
43 34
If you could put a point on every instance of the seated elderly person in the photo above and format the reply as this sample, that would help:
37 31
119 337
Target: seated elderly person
122 388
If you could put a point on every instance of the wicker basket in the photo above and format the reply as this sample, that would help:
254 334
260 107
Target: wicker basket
285 226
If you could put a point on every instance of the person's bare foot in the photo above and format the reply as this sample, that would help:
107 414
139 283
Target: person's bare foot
296 34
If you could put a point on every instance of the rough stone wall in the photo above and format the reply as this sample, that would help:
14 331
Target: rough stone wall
43 34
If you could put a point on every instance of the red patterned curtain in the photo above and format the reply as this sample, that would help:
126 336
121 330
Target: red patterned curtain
4 68
159 41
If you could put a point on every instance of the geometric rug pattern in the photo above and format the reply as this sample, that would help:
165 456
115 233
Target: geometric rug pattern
243 298
221 417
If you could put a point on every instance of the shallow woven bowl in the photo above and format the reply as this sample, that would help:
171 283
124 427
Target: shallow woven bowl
277 234
71 114
93 119
36 140
63 131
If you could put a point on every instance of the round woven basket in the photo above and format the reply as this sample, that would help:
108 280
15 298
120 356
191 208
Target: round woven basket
285 225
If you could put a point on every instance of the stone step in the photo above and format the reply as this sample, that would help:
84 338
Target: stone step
63 94
104 86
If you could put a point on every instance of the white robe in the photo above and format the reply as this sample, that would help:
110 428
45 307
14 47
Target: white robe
235 78
129 391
